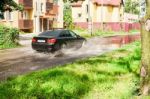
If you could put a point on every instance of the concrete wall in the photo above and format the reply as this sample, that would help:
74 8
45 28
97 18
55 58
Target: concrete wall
112 26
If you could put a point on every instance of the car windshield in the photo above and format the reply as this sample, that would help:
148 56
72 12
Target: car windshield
54 33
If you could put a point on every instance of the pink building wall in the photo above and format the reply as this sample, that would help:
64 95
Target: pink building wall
114 26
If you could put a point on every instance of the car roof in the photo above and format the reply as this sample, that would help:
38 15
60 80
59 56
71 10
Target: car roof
54 33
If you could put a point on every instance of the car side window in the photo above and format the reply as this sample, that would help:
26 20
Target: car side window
68 34
73 34
63 34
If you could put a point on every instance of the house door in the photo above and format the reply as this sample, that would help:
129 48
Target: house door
50 24
44 24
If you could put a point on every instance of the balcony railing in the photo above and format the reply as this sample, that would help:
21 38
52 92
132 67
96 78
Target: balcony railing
49 6
51 9
28 4
54 10
25 24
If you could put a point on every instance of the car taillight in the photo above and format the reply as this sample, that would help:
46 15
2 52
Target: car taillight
52 41
33 40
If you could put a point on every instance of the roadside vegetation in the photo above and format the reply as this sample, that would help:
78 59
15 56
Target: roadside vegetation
108 76
102 33
8 37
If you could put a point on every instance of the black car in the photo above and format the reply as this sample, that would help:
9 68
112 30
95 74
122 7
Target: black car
54 40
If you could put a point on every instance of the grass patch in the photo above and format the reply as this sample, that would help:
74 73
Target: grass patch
109 76
85 33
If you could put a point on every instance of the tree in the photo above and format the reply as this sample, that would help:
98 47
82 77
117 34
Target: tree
131 7
145 60
67 16
9 5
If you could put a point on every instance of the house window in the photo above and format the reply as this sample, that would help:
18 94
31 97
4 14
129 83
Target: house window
2 17
8 15
42 7
87 8
87 20
25 15
21 14
55 1
79 15
36 6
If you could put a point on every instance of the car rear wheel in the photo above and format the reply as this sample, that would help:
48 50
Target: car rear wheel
61 50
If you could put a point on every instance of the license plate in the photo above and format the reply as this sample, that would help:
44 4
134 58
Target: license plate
42 41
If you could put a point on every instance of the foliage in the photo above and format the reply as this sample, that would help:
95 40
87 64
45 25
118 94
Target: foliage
9 5
114 74
131 7
68 23
8 37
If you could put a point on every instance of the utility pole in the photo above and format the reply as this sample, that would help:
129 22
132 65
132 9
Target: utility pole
89 19
102 15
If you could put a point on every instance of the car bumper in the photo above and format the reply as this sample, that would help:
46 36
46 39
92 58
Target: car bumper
42 47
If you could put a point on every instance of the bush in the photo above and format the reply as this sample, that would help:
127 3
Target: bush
68 21
8 37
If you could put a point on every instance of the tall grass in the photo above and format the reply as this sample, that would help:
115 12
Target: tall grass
114 75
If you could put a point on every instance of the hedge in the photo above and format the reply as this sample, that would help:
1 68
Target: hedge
9 37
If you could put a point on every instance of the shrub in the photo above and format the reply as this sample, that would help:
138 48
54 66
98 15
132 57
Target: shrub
68 21
8 37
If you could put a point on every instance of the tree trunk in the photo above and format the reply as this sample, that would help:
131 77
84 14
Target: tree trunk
145 60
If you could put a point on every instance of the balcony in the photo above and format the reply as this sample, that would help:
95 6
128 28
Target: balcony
51 9
25 24
28 4
54 10
49 6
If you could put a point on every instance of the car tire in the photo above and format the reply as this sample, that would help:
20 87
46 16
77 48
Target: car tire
61 50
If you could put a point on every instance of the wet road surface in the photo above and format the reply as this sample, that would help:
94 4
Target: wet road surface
23 60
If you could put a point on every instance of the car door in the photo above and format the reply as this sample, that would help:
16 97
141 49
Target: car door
66 38
70 39
77 40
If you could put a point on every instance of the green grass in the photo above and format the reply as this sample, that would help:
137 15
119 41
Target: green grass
114 75
85 33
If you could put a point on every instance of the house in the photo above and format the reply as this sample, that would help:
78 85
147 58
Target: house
37 16
100 11
103 14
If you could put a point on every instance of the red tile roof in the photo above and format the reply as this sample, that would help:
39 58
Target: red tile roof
107 2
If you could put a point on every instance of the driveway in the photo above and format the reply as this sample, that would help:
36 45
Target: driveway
23 60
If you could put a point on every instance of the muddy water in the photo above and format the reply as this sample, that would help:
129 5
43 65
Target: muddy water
23 60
